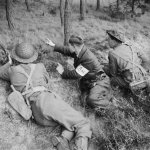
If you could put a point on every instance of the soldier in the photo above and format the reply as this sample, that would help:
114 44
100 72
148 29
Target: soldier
128 66
48 109
88 70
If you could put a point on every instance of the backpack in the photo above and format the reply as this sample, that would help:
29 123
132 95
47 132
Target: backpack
16 99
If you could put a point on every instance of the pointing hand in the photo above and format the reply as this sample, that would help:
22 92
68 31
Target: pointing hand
49 42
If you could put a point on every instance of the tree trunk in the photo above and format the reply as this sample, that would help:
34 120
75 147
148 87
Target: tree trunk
9 11
67 16
14 1
82 9
71 2
27 5
117 5
147 1
98 5
132 6
62 7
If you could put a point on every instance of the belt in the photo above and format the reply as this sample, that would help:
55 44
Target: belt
33 90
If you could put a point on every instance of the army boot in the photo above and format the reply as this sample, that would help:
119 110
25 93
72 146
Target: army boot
60 142
81 143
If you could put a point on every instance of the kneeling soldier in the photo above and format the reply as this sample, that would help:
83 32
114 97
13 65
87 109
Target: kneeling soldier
128 66
48 109
88 70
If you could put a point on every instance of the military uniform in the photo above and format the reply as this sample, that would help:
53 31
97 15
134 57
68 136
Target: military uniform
121 68
48 109
30 81
99 91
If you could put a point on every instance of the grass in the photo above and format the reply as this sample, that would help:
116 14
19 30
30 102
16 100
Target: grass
124 127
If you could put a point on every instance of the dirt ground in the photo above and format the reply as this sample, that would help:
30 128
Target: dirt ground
17 134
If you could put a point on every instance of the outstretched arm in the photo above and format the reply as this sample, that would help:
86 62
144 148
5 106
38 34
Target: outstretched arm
65 50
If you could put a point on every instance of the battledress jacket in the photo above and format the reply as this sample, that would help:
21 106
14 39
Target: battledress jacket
121 58
85 58
48 108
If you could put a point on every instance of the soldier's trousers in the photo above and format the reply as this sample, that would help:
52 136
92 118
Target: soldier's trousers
117 80
50 110
99 95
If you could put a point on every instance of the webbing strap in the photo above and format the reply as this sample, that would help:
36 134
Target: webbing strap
134 64
21 69
29 78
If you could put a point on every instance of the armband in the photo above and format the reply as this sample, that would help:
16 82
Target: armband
82 71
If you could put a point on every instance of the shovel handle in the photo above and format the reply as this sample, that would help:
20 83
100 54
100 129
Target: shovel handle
13 88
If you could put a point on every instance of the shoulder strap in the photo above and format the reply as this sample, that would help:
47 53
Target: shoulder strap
140 67
30 75
21 69
134 64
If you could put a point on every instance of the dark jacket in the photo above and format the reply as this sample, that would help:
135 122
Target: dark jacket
86 58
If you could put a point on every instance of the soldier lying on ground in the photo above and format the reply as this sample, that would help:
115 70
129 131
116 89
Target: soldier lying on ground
93 82
128 66
47 108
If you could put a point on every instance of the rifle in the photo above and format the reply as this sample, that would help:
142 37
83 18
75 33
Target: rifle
3 48
3 54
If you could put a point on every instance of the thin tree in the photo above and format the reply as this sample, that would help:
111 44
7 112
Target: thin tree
147 1
27 5
117 5
9 11
67 16
98 5
132 6
82 9
62 7
71 2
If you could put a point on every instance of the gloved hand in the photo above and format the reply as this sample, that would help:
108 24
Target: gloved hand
49 42
60 68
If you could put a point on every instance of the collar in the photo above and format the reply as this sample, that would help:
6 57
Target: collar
82 51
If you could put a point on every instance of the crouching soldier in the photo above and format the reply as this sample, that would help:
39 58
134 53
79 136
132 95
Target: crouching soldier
88 70
48 109
128 66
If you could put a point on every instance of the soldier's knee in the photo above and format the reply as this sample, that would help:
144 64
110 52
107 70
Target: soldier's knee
92 101
118 81
98 101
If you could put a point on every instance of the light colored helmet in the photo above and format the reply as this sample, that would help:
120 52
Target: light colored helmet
24 53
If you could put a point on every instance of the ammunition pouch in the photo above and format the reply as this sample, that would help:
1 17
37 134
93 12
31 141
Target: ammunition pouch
137 85
16 98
